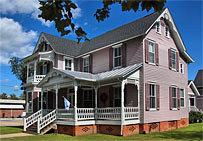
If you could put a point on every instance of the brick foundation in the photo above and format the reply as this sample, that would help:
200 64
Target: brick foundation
127 129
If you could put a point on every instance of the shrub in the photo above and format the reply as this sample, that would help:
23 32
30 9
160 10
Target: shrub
195 117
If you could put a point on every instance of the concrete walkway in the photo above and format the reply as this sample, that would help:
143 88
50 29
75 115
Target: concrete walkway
15 135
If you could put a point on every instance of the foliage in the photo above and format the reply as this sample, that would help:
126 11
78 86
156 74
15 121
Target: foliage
18 70
60 11
192 132
3 96
13 97
22 96
195 117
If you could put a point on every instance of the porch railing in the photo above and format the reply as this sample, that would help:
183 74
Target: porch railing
109 113
36 78
131 113
65 114
86 113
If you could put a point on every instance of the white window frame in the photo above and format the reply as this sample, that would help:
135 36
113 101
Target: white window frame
174 108
181 68
120 56
64 64
158 23
155 95
83 61
153 63
182 97
31 110
173 50
167 33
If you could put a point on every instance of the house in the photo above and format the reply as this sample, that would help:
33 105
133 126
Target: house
199 84
193 93
11 108
123 82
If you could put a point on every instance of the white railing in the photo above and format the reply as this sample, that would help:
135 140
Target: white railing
32 119
131 113
109 113
46 120
46 111
65 114
38 78
85 113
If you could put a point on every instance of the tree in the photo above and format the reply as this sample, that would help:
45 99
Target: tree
60 12
22 96
18 70
13 97
3 96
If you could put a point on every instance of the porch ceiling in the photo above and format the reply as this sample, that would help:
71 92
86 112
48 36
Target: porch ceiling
104 76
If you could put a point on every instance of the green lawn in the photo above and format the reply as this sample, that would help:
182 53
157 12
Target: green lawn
10 130
191 133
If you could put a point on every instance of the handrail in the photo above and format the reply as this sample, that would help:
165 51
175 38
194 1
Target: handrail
32 119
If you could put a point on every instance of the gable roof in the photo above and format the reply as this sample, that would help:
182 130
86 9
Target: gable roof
193 87
199 79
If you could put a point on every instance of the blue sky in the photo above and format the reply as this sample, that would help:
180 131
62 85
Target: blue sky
20 29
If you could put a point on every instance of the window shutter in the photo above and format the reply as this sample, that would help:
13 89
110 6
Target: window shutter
81 64
111 97
146 51
147 96
177 61
178 97
170 98
157 53
90 63
157 97
110 58
124 47
169 59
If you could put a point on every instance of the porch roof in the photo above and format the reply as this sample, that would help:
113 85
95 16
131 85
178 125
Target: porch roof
117 73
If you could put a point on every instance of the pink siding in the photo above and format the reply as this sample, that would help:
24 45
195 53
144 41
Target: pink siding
59 61
190 90
165 78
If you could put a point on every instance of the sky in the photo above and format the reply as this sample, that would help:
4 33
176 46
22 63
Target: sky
20 29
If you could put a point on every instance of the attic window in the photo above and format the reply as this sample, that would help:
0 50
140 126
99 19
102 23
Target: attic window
158 27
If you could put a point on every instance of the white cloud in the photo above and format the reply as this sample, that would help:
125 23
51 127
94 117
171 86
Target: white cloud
14 41
86 23
4 80
16 88
29 7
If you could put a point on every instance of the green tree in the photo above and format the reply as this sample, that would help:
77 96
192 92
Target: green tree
22 96
60 12
13 97
3 96
18 70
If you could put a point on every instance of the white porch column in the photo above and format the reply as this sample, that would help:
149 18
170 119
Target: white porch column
27 72
56 98
96 106
75 108
138 97
42 100
122 106
35 68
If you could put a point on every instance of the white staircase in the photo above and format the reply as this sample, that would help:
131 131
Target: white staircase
41 121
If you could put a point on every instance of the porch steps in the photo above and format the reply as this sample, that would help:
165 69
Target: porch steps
32 129
48 128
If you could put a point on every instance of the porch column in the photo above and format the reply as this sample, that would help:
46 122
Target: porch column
122 106
56 98
75 108
96 91
35 68
138 97
42 100
27 72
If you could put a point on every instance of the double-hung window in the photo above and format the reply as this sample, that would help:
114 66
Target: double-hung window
152 96
173 59
182 98
85 64
167 31
158 27
68 64
117 56
117 96
174 97
151 52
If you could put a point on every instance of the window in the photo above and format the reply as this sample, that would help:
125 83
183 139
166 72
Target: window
117 96
158 27
45 69
174 97
29 102
68 64
86 64
31 70
181 68
88 98
192 101
117 57
152 96
167 31
151 52
182 98
173 59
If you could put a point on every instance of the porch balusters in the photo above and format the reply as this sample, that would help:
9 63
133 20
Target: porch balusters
75 108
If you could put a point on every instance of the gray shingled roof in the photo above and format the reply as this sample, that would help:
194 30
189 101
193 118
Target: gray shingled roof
72 48
199 79
122 72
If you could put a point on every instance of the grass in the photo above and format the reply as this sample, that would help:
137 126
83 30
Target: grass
11 130
190 133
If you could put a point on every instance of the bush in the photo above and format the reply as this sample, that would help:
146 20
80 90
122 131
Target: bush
195 117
